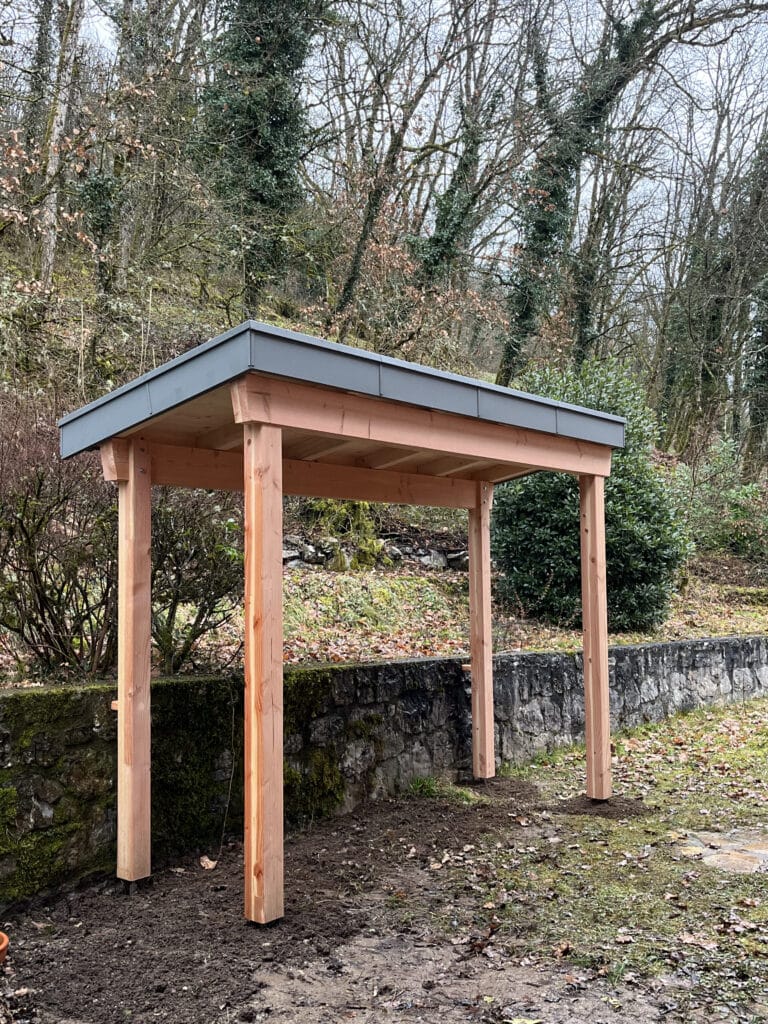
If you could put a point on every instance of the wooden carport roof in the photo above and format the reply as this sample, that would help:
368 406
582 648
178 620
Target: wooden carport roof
269 411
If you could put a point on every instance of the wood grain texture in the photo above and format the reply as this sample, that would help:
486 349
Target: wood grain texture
256 398
182 466
481 640
263 754
320 480
114 458
133 668
595 622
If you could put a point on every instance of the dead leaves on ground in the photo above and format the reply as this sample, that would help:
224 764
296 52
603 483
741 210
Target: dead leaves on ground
615 894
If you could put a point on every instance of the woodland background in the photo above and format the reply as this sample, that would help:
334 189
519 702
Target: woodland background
489 187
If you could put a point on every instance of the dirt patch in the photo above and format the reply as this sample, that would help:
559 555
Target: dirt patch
616 809
373 927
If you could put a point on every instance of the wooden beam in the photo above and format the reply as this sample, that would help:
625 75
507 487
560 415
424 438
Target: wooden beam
133 667
284 403
263 755
216 470
594 607
114 458
388 458
481 640
330 481
445 469
181 466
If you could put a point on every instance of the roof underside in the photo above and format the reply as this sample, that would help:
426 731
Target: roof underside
187 402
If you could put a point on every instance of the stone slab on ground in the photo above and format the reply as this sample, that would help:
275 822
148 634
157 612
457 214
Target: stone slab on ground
741 851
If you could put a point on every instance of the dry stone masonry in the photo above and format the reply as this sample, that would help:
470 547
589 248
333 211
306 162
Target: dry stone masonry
351 733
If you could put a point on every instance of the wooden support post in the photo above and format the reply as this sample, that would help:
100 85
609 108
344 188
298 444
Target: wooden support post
263 673
133 667
481 642
594 605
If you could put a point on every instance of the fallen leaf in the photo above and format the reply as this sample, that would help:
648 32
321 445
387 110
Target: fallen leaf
689 939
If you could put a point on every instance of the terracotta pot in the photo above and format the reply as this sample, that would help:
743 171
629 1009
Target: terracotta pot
3 946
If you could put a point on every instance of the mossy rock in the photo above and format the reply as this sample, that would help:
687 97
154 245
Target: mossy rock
314 788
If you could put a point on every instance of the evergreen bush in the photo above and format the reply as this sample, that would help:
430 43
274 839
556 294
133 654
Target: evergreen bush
535 525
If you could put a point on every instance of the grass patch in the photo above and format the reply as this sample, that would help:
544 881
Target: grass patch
363 616
349 616
617 897
438 789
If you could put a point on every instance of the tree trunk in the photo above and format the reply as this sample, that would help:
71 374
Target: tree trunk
40 77
51 150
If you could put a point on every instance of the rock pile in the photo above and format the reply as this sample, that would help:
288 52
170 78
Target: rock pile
334 554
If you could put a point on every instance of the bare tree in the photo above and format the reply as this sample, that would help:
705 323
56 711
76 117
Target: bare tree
50 157
630 40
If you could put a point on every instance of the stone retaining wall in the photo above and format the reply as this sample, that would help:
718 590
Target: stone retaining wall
351 733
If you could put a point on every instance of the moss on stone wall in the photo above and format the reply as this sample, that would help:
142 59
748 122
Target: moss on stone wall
56 787
41 859
313 785
9 801
315 788
197 748
306 693
58 748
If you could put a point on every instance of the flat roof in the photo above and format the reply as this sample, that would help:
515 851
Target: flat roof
300 357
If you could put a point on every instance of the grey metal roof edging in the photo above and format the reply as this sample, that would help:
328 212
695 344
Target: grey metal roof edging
300 357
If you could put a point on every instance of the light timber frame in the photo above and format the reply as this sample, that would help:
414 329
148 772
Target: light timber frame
268 435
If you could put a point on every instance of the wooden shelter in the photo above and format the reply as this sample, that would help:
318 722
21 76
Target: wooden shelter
271 412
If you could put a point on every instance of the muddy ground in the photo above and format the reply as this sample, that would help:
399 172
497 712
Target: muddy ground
381 924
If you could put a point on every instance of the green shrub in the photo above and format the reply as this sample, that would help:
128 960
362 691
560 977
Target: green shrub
350 519
723 513
535 526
